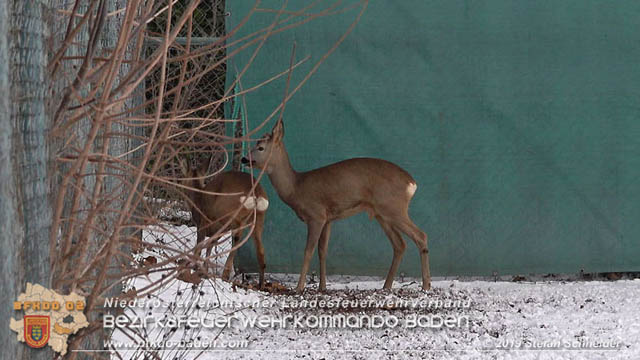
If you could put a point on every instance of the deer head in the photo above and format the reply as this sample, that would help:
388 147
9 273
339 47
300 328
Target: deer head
193 177
269 145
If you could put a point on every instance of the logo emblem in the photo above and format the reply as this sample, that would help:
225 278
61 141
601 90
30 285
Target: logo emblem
36 330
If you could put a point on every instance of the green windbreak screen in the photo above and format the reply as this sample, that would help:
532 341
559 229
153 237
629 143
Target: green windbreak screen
520 121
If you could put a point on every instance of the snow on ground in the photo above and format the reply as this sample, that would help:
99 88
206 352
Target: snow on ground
487 320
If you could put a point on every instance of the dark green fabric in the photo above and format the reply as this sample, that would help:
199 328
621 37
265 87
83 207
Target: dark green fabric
520 121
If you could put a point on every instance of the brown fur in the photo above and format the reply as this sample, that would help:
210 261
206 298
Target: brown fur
212 212
338 191
355 185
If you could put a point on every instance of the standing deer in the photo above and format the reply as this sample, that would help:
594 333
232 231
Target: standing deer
211 212
340 190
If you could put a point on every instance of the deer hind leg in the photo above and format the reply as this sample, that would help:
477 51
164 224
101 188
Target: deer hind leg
202 265
200 270
210 242
323 246
398 244
420 238
257 238
314 229
228 265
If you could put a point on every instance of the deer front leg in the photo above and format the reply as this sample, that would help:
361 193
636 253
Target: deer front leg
257 238
200 269
314 228
228 265
323 246
201 237
199 240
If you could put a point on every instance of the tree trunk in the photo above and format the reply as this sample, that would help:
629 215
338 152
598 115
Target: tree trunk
11 285
25 206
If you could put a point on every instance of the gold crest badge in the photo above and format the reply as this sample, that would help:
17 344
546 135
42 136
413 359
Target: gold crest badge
36 330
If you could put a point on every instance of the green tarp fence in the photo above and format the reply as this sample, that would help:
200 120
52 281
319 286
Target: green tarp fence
519 119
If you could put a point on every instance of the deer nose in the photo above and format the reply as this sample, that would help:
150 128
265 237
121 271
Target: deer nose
244 160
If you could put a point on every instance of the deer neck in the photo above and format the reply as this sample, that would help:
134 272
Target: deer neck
282 175
193 195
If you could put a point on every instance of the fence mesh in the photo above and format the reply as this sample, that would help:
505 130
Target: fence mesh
202 85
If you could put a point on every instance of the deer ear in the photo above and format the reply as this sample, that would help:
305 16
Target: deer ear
204 166
184 166
278 131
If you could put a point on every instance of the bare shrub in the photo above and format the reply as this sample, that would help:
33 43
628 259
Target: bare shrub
123 111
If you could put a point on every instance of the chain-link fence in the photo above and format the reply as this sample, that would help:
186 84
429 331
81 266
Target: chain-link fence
193 86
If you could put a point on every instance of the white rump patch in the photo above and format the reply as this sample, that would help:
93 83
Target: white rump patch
249 202
263 204
411 189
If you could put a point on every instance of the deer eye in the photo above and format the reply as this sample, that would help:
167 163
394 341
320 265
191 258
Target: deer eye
260 148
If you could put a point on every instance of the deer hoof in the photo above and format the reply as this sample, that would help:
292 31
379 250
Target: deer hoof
225 275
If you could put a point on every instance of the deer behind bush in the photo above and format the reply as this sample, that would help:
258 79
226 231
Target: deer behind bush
211 212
